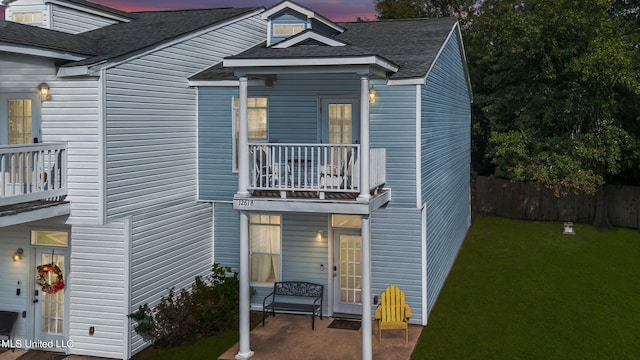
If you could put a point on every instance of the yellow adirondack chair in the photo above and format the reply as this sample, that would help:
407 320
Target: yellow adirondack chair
393 313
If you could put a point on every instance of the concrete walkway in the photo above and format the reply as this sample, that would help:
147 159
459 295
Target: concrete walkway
290 337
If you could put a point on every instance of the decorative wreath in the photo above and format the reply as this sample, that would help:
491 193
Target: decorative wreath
56 285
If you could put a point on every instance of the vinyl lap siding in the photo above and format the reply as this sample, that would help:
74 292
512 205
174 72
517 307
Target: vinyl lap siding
217 181
97 283
151 120
302 253
294 104
70 116
75 21
446 126
293 117
226 224
393 126
170 246
396 255
12 238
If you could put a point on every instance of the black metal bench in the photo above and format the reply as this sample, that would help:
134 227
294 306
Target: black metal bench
7 322
285 292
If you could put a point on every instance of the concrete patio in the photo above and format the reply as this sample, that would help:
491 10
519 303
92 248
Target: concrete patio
288 336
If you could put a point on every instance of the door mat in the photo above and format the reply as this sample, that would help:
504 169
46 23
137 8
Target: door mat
345 325
41 355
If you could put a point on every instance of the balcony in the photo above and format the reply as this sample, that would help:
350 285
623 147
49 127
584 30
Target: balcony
310 173
32 172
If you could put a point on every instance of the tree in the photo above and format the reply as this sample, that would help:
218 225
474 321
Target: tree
407 9
552 80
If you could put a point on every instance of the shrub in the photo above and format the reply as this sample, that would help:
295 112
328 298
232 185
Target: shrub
210 306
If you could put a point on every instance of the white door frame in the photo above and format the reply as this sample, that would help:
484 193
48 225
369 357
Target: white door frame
323 123
334 293
35 324
4 115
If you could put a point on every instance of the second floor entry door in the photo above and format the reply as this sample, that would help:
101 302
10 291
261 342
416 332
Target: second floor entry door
340 121
19 125
19 119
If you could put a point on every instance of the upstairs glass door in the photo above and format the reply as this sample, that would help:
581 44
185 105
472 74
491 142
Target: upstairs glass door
340 121
19 119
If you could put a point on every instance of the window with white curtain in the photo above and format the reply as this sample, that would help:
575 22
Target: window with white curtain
264 238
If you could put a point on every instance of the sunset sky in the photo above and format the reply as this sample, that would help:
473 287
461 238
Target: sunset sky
336 10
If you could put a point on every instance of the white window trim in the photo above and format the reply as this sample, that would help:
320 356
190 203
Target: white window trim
292 25
33 15
54 230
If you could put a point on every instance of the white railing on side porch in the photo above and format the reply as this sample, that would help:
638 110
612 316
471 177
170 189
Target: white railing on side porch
32 172
312 167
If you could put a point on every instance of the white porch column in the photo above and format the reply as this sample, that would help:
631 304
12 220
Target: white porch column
243 142
364 137
244 352
366 288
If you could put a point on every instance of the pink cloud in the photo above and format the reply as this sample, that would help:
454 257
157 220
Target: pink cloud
336 10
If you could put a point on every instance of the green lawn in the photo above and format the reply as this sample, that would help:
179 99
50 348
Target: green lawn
522 290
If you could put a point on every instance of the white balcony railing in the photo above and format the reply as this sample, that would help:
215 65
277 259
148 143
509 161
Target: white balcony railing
312 167
32 172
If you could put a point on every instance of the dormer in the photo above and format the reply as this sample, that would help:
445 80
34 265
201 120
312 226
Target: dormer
70 16
287 19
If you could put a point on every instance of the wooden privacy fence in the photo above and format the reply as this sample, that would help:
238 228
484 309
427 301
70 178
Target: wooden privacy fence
529 201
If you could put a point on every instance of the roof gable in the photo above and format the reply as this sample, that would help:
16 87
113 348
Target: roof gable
308 13
288 18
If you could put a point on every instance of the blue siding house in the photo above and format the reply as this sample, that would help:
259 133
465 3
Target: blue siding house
338 153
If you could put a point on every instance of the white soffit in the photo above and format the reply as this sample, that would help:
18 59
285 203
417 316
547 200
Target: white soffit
318 61
42 52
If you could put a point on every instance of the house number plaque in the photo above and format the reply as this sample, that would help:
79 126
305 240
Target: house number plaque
244 203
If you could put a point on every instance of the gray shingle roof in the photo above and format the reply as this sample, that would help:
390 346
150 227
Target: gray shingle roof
154 27
28 35
148 29
411 44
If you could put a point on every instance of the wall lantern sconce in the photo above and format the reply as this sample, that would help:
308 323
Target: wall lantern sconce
568 228
372 95
43 89
17 256
319 235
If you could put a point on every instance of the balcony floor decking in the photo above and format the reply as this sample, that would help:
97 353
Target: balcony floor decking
305 195
311 201
29 211
312 195
29 206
